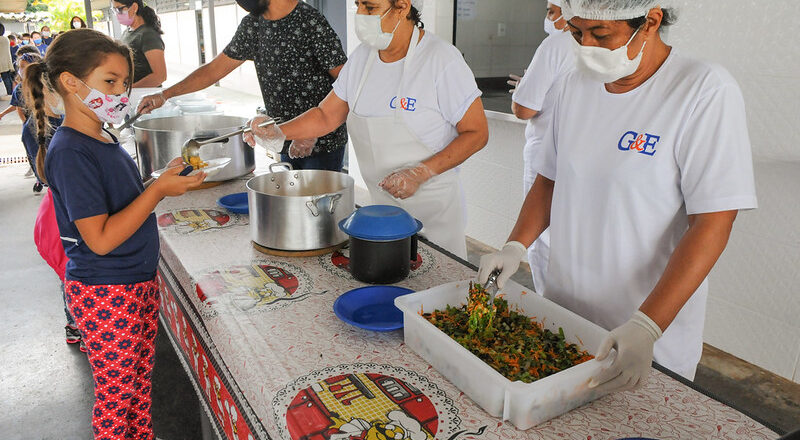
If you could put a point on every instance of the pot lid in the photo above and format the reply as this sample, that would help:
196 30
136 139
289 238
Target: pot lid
380 223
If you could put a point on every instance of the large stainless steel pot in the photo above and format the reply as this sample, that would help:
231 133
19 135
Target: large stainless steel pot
299 210
159 140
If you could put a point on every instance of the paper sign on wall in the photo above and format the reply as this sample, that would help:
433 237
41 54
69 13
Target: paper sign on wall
466 9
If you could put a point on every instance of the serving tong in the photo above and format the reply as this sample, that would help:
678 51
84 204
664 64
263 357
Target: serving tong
491 287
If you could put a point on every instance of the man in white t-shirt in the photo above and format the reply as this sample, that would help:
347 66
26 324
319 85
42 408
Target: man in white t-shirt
554 58
644 167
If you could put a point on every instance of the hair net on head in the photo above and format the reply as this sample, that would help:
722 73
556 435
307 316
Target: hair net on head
608 9
555 2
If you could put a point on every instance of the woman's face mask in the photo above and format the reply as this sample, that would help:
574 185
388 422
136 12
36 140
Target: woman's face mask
76 24
606 65
124 18
46 34
550 26
370 32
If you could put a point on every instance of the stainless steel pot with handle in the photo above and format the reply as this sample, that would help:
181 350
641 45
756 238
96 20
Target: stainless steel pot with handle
160 140
299 210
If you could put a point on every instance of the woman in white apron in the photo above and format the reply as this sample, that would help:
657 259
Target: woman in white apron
413 112
644 166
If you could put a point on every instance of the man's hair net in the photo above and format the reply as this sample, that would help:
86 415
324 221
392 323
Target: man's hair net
608 9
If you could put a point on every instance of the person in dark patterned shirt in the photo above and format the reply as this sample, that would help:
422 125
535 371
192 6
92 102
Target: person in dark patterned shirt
297 57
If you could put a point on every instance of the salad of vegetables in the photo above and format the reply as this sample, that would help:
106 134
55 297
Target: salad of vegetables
517 346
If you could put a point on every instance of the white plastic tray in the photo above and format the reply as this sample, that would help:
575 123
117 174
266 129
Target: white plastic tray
525 405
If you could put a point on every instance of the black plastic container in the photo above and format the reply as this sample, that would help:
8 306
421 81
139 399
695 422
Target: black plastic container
382 262
383 243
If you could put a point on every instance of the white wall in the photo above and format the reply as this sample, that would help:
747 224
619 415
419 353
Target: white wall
754 302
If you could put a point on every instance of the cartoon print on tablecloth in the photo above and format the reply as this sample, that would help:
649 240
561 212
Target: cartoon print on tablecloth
366 402
254 287
191 220
338 263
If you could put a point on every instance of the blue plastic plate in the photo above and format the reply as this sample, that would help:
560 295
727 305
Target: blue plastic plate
371 308
236 203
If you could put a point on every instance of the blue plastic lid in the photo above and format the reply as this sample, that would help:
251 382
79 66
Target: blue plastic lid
380 223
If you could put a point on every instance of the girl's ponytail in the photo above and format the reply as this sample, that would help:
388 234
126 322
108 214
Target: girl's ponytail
36 79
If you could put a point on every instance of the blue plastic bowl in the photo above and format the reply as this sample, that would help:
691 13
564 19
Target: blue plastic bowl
371 308
236 203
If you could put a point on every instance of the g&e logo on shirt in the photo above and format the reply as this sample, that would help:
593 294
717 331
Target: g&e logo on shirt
407 104
644 143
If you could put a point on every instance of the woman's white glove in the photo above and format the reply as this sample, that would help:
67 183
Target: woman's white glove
270 137
634 342
506 260
514 80
302 148
404 182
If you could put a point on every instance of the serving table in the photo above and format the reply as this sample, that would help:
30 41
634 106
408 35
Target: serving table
268 358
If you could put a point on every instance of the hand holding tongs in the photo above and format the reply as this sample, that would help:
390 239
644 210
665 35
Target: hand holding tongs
192 147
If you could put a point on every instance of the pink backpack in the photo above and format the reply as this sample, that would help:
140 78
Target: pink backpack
47 237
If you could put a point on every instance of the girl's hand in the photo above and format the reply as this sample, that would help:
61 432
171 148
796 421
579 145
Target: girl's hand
170 184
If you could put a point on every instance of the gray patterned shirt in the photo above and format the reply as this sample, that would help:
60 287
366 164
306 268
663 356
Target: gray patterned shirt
292 57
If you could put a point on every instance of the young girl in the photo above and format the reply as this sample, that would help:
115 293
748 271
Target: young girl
106 221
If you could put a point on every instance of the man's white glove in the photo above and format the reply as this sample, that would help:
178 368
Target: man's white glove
634 342
506 260
302 148
270 137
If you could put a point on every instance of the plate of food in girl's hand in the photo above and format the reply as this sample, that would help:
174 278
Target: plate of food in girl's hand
210 167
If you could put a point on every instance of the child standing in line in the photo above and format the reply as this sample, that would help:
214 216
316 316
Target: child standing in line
18 104
106 221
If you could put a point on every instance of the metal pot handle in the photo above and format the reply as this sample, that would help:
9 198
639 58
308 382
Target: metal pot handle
312 204
286 165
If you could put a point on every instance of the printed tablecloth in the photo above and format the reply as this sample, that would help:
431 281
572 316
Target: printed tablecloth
268 357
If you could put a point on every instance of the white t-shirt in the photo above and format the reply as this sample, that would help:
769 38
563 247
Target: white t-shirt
629 168
436 94
552 60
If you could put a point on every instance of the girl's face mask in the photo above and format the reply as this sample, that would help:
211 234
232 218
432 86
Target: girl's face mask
108 108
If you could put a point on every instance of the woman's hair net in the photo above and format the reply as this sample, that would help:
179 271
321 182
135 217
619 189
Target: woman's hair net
418 4
555 2
608 9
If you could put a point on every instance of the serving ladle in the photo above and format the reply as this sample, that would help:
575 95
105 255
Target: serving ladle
191 148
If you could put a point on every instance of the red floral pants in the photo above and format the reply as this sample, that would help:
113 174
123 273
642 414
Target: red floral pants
118 323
